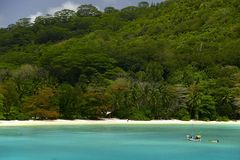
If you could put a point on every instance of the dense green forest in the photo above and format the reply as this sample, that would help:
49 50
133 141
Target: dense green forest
178 59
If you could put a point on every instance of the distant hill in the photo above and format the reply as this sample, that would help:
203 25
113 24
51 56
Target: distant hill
176 59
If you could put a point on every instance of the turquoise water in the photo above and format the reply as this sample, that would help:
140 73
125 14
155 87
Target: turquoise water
119 142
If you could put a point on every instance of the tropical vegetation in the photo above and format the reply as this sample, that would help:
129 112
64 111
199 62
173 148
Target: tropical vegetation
178 59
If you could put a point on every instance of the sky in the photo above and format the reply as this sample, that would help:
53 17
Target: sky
12 10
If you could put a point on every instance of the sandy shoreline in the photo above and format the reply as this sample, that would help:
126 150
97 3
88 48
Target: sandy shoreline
106 122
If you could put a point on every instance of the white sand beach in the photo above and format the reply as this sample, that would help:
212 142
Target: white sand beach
107 121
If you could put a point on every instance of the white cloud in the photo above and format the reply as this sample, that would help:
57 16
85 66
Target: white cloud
34 16
67 5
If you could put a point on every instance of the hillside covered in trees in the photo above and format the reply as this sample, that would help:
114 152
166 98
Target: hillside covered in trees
177 59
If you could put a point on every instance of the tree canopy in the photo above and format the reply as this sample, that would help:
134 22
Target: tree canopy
176 59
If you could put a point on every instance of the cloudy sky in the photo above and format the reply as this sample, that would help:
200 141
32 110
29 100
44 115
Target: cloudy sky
12 10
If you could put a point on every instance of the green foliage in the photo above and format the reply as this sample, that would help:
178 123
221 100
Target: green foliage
110 10
154 72
136 115
88 11
143 4
2 98
64 15
129 13
176 59
24 22
52 34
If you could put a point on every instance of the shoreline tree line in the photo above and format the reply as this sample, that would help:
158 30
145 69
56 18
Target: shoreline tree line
178 59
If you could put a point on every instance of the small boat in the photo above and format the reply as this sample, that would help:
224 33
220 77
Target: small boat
196 138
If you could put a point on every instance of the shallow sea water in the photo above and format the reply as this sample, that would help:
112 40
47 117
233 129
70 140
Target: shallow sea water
119 142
